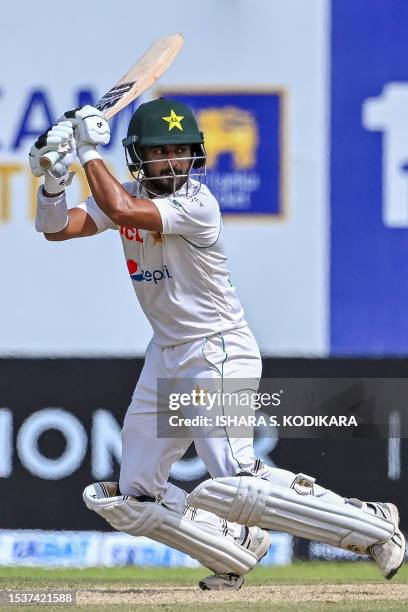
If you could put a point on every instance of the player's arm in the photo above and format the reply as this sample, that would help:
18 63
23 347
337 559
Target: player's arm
91 130
53 218
80 225
121 207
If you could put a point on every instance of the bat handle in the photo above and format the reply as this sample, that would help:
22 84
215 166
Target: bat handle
48 159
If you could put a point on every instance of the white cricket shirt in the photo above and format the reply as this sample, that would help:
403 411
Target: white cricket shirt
180 276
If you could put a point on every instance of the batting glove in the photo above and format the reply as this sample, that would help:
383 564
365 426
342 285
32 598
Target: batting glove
91 129
58 138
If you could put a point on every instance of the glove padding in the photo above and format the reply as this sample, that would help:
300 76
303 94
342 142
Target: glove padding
91 129
60 138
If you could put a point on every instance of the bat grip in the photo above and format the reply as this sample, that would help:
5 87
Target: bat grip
48 159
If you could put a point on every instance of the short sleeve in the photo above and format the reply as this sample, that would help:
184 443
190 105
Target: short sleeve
102 221
196 218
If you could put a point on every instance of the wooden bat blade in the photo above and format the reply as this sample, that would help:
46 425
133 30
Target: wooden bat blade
143 74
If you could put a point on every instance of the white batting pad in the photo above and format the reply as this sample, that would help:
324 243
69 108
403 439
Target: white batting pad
254 501
214 550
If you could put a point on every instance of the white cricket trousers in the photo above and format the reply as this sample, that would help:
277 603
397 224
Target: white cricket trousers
147 458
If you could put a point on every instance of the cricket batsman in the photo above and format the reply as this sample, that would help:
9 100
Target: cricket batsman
171 232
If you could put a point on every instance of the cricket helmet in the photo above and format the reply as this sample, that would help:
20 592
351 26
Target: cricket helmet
161 122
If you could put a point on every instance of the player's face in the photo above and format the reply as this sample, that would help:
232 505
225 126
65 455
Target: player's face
166 161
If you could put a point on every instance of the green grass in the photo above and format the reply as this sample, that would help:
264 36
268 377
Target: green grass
308 573
296 573
235 607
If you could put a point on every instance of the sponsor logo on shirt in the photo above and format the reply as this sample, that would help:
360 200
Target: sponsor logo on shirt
137 274
131 233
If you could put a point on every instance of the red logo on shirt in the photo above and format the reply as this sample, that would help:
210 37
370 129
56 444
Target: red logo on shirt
131 233
134 271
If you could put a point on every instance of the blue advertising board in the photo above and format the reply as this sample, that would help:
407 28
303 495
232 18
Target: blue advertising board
245 144
369 180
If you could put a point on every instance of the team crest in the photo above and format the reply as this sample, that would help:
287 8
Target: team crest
174 121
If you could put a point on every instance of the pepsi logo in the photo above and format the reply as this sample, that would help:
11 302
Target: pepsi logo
133 267
136 274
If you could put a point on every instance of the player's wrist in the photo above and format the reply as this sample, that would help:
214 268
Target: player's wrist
87 153
47 194
54 185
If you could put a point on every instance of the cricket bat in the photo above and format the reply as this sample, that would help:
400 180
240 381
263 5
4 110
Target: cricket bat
136 81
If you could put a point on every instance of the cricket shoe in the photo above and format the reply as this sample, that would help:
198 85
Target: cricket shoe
257 541
216 582
388 554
